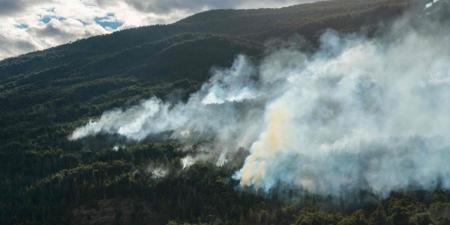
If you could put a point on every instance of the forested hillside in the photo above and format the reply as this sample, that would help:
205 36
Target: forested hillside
44 96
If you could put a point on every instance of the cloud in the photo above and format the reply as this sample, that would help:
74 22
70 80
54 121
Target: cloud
11 47
48 23
359 114
197 5
11 7
44 24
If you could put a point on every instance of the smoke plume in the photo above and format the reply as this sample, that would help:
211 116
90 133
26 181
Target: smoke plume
359 114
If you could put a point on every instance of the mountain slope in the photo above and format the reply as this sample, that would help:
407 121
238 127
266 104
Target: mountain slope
71 88
55 83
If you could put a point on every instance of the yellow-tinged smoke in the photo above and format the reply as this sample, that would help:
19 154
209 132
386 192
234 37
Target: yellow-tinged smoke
271 142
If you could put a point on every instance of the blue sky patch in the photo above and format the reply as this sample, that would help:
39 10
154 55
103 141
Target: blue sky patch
109 21
47 18
22 26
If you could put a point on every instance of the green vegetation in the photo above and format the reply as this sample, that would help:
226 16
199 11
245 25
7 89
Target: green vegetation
46 179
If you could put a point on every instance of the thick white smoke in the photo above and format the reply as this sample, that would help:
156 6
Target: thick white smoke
376 116
370 114
220 116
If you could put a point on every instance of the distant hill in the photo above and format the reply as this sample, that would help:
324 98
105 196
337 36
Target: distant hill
307 20
258 25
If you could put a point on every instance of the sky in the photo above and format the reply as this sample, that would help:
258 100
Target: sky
30 25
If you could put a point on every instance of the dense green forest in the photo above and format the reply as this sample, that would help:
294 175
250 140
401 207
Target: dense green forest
44 96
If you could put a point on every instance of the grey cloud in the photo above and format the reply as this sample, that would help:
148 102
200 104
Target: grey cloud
158 6
51 31
12 7
9 47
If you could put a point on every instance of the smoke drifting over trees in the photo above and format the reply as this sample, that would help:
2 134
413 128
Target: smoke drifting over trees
359 114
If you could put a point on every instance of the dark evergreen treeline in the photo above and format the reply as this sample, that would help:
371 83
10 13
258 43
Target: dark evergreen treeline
118 187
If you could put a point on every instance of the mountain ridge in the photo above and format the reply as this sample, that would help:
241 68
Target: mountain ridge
179 26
